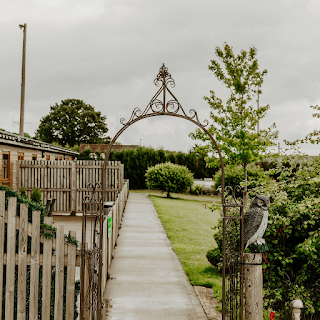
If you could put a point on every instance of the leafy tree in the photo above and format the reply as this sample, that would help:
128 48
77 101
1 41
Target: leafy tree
73 122
235 121
169 177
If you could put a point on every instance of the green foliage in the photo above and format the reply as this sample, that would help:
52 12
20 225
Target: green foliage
292 268
197 189
292 264
235 121
85 155
73 122
169 177
23 193
233 175
32 206
36 195
136 162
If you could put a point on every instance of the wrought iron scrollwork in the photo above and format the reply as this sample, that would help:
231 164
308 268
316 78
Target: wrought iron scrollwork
164 77
233 196
233 253
91 248
159 106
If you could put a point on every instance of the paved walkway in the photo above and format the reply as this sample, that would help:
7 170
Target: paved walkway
147 279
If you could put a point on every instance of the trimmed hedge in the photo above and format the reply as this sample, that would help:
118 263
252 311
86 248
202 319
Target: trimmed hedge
136 162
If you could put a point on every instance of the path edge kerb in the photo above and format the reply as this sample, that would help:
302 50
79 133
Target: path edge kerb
189 288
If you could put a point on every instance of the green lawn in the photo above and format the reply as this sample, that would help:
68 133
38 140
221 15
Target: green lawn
188 225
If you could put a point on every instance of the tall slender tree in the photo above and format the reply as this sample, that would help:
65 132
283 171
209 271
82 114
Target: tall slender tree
235 122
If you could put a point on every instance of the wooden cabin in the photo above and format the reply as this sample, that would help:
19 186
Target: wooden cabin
14 147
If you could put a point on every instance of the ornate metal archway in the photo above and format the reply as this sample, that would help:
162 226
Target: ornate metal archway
164 103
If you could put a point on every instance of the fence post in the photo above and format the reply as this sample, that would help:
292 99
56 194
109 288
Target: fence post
71 269
253 283
73 187
22 264
34 277
46 273
11 250
58 303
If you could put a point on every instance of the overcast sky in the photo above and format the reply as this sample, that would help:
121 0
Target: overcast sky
107 53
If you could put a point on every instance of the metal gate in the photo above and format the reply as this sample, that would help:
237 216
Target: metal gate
232 247
165 103
91 257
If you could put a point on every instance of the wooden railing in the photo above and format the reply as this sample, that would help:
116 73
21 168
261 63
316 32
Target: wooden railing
109 241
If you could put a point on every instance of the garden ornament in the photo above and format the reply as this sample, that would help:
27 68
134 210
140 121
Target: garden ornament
255 221
296 306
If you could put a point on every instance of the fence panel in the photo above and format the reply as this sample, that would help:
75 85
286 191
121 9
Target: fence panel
20 262
67 181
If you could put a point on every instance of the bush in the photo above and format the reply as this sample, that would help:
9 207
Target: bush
136 162
233 175
169 177
292 263
197 189
36 195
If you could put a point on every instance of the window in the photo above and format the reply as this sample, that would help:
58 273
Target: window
6 165
34 157
20 156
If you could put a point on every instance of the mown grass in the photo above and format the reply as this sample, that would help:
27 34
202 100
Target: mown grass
188 225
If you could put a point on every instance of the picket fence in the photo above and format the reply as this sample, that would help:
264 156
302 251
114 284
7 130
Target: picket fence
20 268
67 181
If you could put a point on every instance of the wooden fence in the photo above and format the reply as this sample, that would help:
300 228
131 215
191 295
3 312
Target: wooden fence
24 266
109 241
28 260
111 226
67 181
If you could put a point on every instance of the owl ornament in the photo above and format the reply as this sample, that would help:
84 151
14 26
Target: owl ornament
255 223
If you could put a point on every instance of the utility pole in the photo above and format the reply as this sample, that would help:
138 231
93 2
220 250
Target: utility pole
23 78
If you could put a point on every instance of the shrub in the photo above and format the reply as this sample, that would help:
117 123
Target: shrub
136 162
292 263
23 193
169 177
233 175
36 195
197 189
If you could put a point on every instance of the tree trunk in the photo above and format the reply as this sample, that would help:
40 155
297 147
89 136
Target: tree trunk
245 193
168 194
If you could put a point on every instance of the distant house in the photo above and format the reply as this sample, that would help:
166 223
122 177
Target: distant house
103 147
14 147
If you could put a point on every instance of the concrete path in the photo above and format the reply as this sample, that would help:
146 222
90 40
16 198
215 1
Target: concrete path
147 279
